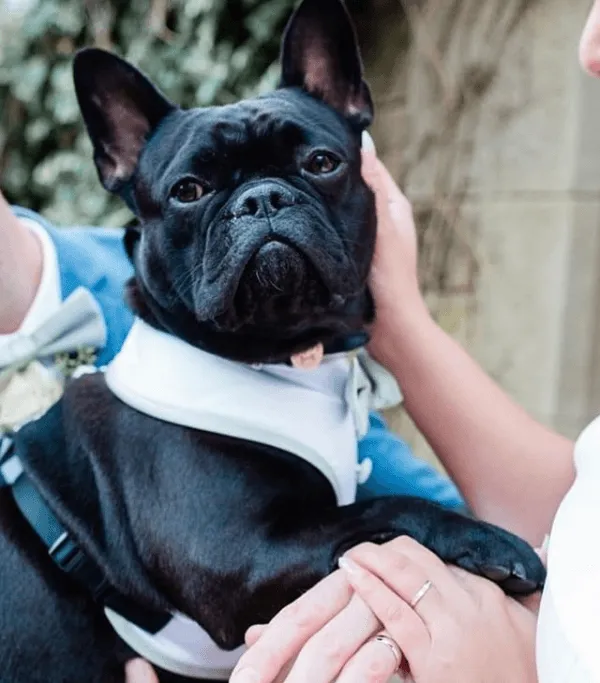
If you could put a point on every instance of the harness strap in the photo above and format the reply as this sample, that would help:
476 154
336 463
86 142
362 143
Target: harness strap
66 553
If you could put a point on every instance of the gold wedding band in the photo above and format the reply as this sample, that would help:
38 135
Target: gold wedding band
392 645
421 593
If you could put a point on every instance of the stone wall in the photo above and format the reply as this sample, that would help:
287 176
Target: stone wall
487 122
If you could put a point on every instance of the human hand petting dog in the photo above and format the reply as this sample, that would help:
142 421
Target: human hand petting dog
459 628
393 280
396 232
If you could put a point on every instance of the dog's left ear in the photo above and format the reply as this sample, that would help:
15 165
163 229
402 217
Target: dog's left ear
320 54
121 109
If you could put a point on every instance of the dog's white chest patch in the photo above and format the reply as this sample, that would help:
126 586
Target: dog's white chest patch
318 414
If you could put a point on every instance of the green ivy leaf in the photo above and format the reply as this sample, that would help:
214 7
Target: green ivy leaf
27 79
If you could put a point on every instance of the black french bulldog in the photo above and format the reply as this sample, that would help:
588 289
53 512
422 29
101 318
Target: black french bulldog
255 240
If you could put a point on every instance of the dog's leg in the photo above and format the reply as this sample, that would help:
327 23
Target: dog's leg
298 549
476 546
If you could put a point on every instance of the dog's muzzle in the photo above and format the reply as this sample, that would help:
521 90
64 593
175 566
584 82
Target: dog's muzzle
273 241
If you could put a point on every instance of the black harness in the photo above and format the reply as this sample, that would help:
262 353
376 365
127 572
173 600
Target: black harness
64 551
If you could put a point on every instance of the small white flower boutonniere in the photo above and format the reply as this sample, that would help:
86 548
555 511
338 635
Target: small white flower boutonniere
34 366
27 394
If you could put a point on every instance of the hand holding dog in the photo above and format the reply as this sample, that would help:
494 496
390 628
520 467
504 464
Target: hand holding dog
393 276
464 628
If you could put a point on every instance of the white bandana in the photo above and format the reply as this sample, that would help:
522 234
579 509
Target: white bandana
569 621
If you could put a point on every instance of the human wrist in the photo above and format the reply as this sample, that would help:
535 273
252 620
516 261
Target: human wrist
395 331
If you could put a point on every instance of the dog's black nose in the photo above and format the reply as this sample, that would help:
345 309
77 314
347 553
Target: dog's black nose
261 200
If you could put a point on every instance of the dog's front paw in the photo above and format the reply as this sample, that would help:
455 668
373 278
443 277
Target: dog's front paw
501 557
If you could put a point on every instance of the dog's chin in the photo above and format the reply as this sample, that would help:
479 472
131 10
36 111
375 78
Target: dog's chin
278 266
280 288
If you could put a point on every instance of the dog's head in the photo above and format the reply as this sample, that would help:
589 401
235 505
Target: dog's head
256 230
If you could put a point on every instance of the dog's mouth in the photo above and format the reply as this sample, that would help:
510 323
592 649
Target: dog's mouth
279 283
278 265
294 253
278 257
276 268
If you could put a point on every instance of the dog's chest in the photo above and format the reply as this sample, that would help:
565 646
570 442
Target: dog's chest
313 414
317 415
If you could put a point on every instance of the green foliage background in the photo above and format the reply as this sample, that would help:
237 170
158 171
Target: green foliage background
198 52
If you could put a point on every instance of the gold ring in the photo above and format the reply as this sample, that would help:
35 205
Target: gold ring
392 645
421 593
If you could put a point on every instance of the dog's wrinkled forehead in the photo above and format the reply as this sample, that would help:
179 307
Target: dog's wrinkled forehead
321 77
253 137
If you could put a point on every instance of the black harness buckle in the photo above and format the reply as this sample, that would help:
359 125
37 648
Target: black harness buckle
63 551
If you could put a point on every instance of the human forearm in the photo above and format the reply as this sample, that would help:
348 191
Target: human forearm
20 269
512 470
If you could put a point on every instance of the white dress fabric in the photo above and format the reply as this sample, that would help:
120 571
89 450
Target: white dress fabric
568 639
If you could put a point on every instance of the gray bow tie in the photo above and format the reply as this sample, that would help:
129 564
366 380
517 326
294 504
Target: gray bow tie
370 387
77 323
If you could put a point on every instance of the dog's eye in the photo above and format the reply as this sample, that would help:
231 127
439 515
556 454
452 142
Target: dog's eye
322 163
187 190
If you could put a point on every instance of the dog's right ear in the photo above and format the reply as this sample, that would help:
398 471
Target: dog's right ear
121 109
320 54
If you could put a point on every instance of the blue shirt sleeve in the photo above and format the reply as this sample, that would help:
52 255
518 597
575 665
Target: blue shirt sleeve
396 471
94 258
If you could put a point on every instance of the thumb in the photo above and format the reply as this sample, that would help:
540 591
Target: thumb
392 206
254 633
139 671
372 174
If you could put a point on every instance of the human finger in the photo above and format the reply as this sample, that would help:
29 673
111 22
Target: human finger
286 634
403 624
326 653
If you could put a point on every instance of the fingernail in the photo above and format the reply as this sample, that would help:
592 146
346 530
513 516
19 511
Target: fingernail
244 676
253 634
350 567
367 143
